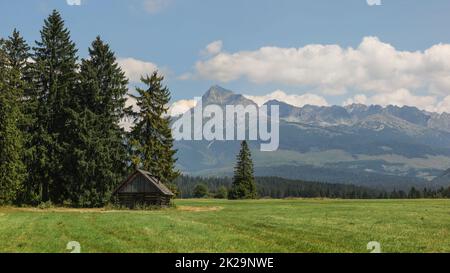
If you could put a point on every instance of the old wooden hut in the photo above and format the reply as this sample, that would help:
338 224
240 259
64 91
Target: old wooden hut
142 188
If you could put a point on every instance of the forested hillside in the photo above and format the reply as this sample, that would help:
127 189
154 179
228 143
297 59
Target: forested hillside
276 187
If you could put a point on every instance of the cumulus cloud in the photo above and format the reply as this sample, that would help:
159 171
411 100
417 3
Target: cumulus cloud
185 77
134 69
373 66
296 100
400 97
175 109
182 106
73 2
127 123
155 6
443 105
213 48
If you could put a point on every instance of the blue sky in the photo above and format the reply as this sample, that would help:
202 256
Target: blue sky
173 34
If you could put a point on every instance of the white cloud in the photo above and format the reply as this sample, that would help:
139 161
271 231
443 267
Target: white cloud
177 108
374 2
443 106
185 76
296 100
127 123
134 69
357 99
373 66
73 2
400 97
182 106
213 48
155 6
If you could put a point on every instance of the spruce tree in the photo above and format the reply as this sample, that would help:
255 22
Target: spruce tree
55 77
151 137
244 186
12 168
18 55
98 153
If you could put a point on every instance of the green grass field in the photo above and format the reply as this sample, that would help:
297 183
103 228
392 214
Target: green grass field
241 226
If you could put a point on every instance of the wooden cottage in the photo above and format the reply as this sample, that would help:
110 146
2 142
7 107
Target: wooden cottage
141 188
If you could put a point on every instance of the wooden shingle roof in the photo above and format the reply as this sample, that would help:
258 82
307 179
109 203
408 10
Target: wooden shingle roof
149 178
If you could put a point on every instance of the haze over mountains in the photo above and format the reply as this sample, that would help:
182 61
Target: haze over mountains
389 147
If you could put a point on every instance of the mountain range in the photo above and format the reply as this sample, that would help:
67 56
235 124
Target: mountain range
385 147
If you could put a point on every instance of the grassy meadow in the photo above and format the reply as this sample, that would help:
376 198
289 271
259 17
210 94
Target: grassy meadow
297 225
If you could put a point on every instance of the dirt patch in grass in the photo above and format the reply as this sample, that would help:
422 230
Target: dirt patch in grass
69 210
6 210
198 209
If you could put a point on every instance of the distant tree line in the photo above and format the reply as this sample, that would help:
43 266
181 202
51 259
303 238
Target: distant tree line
60 138
244 185
275 187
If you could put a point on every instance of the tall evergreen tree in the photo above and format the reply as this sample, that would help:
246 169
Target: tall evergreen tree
12 168
244 186
18 55
55 77
151 137
98 153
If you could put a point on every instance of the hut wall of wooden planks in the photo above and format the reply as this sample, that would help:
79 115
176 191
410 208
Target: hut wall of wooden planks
141 188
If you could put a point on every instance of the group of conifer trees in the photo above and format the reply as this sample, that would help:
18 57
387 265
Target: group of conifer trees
60 138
